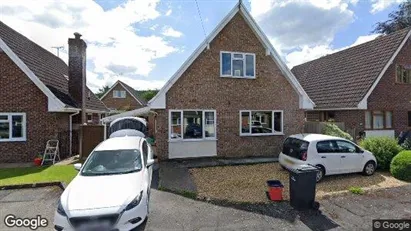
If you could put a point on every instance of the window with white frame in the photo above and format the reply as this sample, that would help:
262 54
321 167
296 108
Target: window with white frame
12 127
192 124
119 94
237 64
261 122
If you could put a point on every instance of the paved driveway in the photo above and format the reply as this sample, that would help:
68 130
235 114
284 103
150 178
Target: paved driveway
168 212
174 212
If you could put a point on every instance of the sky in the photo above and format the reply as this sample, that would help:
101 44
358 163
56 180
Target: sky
144 42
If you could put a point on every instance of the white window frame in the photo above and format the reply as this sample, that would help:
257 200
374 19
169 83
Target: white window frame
182 125
232 61
119 94
9 119
272 121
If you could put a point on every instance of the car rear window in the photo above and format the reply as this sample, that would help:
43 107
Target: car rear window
294 147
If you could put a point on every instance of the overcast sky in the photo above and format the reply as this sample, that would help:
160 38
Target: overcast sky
143 42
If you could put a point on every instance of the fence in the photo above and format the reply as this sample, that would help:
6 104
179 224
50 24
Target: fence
317 127
91 135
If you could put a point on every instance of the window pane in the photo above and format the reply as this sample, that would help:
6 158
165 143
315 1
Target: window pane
209 124
409 119
345 147
17 123
249 60
193 121
278 123
4 117
368 120
257 127
388 119
4 130
399 73
325 147
238 56
226 64
245 124
378 120
175 125
123 94
238 68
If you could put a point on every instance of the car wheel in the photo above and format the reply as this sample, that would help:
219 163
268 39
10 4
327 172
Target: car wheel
320 173
369 168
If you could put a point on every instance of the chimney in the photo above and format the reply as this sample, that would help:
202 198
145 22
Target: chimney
77 72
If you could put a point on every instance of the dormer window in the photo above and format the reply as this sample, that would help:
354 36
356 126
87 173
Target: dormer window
404 74
237 65
119 94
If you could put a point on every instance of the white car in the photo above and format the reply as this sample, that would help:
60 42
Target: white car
333 155
112 189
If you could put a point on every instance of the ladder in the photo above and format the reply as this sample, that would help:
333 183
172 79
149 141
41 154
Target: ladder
51 151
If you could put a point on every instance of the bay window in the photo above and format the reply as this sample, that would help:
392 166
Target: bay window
378 120
12 127
261 123
237 64
192 124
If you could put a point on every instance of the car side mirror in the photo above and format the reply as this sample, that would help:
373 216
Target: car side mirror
150 162
77 166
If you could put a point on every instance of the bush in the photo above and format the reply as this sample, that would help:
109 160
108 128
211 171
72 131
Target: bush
333 130
407 144
383 148
401 166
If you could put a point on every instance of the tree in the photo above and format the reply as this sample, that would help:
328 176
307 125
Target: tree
398 20
102 91
148 94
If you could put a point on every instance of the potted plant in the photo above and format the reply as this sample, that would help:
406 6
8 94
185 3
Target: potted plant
38 160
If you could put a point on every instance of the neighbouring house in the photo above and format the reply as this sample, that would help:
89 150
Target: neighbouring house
367 87
41 97
121 97
233 97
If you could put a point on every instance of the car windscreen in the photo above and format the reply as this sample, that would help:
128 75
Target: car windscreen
294 147
110 162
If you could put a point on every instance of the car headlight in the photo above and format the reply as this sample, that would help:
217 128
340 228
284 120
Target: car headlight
60 209
135 202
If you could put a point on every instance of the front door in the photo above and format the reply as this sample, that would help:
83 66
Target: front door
329 156
351 160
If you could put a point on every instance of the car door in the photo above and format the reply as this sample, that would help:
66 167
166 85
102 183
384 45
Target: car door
329 156
351 159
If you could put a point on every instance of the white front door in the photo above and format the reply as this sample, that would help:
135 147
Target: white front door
329 156
351 160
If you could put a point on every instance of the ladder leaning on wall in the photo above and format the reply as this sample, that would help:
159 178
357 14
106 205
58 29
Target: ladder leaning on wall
51 152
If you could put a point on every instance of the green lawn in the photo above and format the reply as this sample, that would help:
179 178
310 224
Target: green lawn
12 176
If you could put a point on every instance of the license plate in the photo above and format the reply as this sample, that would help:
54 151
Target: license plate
95 226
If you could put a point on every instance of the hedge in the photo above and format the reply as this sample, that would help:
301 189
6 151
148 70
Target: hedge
401 166
383 148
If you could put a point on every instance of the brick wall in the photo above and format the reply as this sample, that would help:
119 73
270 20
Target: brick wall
392 96
19 94
201 87
126 104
